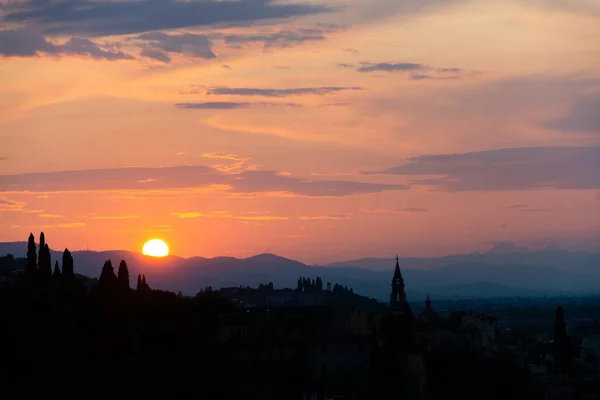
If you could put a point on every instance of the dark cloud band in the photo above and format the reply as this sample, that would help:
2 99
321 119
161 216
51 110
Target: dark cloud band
507 169
104 18
184 177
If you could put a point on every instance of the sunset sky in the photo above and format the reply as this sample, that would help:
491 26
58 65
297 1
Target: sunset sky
316 130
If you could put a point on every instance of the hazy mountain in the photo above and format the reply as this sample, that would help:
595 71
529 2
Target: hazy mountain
508 248
500 254
474 275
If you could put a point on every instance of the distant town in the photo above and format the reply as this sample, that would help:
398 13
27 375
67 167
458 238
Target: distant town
72 335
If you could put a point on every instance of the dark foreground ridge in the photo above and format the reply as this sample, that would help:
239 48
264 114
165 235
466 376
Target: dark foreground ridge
67 336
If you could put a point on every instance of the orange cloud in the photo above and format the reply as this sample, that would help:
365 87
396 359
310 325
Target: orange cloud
226 214
116 217
190 215
11 205
57 216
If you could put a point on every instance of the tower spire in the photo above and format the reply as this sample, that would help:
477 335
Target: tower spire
398 296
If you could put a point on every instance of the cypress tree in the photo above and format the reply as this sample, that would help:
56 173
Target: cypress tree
138 287
108 279
68 273
42 251
123 276
31 257
45 264
56 274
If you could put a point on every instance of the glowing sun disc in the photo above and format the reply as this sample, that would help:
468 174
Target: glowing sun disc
155 248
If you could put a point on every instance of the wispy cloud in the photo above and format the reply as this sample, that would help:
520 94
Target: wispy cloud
57 216
261 217
352 51
197 177
161 46
224 156
230 105
115 217
226 214
392 67
407 210
271 92
527 208
283 38
236 165
323 217
189 215
28 43
7 204
415 71
517 206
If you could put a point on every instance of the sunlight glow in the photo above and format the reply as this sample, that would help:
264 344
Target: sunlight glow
155 248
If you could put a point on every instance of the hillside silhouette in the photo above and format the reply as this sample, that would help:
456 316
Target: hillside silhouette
547 272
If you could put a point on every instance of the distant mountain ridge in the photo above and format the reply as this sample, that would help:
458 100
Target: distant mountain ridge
492 274
501 253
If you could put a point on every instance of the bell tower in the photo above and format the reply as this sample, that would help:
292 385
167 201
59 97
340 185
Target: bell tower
398 296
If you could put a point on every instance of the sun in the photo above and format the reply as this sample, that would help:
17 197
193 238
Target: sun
155 248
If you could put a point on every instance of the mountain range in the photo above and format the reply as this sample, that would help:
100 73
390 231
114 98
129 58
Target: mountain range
506 270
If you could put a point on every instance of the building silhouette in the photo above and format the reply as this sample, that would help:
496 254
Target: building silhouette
428 316
398 301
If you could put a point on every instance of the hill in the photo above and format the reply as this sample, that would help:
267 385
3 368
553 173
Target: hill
500 254
452 275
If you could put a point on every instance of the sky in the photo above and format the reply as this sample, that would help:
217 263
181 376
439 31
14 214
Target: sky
319 130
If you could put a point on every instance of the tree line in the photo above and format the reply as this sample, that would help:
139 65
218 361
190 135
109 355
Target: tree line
307 285
39 270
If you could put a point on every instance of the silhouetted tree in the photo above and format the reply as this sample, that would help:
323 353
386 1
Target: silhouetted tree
108 279
299 285
45 263
562 346
138 286
42 252
123 276
145 285
31 257
56 274
271 286
319 284
68 274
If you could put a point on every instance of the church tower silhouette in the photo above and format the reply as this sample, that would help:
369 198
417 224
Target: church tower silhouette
398 296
